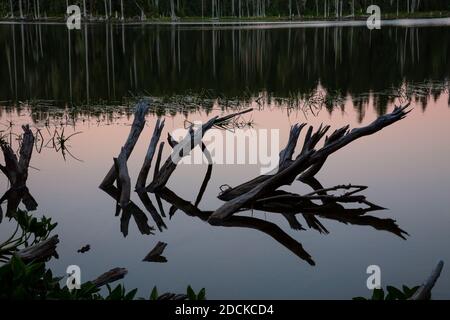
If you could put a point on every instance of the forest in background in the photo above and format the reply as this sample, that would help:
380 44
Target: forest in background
216 9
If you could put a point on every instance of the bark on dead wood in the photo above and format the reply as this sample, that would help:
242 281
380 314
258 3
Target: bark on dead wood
40 251
308 157
136 129
142 178
109 277
123 179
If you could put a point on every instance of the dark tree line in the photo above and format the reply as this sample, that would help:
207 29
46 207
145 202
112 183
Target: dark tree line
107 62
123 9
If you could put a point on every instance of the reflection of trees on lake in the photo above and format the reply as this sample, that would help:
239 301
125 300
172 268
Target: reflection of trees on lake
108 62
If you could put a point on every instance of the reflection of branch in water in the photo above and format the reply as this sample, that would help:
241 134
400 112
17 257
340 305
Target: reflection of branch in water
131 209
239 221
261 193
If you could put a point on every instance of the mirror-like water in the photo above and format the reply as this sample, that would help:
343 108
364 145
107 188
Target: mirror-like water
82 82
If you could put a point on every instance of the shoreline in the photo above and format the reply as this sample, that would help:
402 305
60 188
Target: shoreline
403 22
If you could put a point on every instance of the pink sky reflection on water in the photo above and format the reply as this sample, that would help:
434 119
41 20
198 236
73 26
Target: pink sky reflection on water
404 165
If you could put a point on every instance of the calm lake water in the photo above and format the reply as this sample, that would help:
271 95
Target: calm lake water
83 81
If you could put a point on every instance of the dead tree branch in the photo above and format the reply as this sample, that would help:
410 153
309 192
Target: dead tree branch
263 185
127 149
142 178
183 148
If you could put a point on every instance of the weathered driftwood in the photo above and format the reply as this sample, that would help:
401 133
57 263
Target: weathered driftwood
127 149
123 179
155 255
308 157
109 277
16 170
40 251
183 148
424 292
119 172
142 178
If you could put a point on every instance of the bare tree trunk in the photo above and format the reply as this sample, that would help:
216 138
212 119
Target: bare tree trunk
172 10
84 8
12 8
106 10
20 9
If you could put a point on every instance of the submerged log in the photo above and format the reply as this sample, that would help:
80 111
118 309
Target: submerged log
263 185
40 251
109 277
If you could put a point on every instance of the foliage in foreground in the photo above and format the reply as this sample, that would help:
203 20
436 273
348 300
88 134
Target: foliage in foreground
392 293
28 231
33 281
